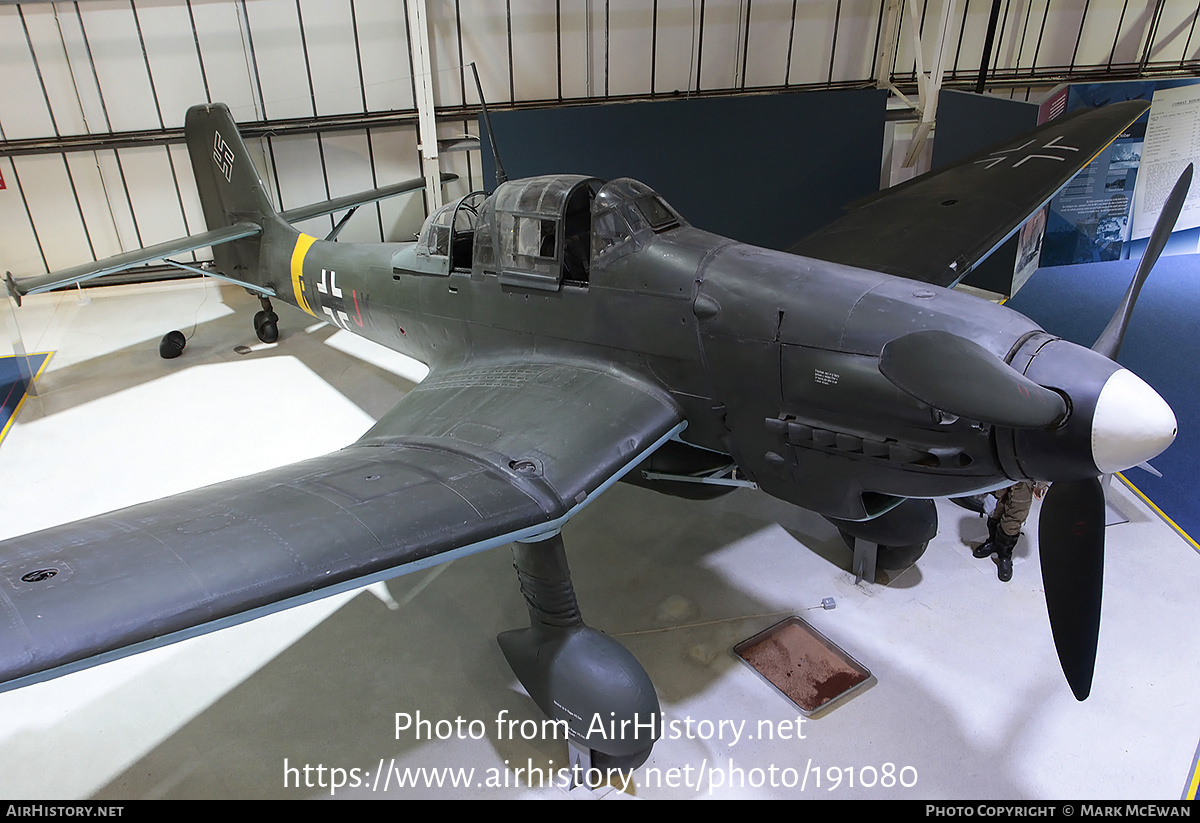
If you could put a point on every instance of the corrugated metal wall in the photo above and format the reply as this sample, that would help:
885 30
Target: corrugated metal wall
93 93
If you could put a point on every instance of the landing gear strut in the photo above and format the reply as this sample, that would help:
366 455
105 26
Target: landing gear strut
266 322
868 556
893 541
576 674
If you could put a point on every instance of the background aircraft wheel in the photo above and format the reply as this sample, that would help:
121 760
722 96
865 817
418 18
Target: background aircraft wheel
172 345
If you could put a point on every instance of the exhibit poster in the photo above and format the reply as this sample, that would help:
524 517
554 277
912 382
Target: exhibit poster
1108 210
1088 221
1172 141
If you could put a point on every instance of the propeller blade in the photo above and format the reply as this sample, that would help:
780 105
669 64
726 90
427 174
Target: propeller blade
1071 547
1109 341
959 376
1146 467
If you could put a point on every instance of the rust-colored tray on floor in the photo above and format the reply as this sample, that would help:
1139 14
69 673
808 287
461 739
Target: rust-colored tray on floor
806 666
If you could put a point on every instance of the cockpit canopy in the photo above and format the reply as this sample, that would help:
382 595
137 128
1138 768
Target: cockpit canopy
626 214
446 238
540 232
535 232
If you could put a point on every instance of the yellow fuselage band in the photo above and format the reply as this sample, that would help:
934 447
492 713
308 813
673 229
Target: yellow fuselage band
303 243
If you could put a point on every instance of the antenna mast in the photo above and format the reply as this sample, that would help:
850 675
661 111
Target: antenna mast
501 176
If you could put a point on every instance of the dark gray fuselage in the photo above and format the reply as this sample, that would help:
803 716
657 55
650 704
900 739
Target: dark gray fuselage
773 358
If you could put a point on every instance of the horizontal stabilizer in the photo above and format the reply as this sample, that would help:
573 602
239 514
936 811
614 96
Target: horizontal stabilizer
129 259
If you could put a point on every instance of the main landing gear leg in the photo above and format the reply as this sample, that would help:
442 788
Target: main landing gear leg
866 556
869 556
576 674
266 322
893 541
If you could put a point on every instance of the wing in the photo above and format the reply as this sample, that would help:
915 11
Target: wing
472 458
937 227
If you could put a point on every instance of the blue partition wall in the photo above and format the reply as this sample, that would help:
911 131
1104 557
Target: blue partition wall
13 386
766 169
967 123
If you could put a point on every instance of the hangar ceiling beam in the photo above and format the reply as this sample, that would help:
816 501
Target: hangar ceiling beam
889 36
928 85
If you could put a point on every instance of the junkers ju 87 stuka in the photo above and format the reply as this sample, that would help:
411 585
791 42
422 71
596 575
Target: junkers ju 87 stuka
580 332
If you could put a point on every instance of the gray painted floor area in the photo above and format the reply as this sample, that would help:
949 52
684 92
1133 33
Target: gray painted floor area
968 700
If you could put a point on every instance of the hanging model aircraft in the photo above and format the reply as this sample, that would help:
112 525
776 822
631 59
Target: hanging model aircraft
580 332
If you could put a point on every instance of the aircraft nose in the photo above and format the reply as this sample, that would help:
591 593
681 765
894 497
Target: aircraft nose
1131 424
1116 420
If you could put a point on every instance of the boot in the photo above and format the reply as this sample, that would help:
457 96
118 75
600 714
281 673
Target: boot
1003 559
986 548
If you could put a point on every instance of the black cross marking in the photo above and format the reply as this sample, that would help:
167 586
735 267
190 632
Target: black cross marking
1014 154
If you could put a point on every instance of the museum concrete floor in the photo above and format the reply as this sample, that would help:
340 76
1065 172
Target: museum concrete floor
968 700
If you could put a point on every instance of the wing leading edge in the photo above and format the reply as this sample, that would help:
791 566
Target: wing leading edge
937 227
475 457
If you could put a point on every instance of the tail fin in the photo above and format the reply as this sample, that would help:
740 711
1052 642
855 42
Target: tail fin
236 208
230 189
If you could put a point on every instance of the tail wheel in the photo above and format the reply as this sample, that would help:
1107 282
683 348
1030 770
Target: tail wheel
266 326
